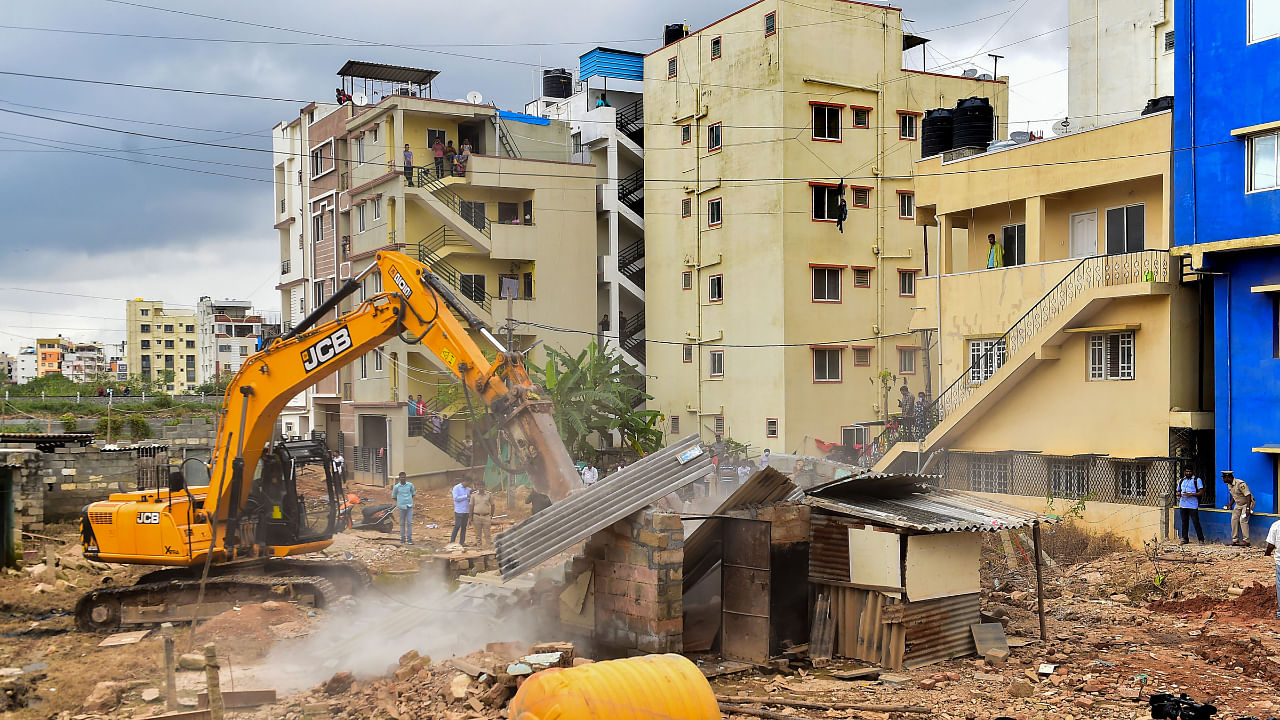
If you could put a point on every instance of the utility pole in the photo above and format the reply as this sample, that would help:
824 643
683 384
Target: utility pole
511 330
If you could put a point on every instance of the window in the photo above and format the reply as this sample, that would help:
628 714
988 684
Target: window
826 284
906 283
527 281
191 328
1125 229
854 435
906 205
717 363
168 328
861 196
675 424
771 427
1111 356
317 292
826 365
317 227
989 474
359 143
144 328
826 202
144 312
862 357
472 286
906 361
686 353
364 366
686 134
1264 20
145 344
473 212
377 361
861 117
686 207
826 122
508 286
224 348
713 136
715 288
986 356
508 213
907 125
671 68
317 162
1168 41
373 133
244 351
528 212
862 277
770 24
1264 174
713 213
376 204
1014 241
717 425
191 344
360 218
1131 481
715 48
686 280
1068 479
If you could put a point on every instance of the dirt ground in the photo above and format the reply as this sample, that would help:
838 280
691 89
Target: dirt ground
1194 619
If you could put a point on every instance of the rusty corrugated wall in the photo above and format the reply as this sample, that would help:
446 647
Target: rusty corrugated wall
897 635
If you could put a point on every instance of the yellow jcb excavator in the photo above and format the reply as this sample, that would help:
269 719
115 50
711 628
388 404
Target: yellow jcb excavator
232 530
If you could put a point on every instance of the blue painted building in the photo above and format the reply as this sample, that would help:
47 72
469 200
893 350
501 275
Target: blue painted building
1227 220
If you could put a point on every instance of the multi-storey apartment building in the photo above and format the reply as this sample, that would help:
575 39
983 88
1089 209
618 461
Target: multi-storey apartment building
1120 56
229 332
161 341
25 365
50 352
84 362
606 126
514 236
769 321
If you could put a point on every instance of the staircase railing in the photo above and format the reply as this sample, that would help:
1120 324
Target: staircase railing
629 336
425 177
631 263
450 274
1091 272
420 426
631 191
630 120
504 136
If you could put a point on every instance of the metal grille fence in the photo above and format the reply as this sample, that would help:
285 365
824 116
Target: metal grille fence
1132 481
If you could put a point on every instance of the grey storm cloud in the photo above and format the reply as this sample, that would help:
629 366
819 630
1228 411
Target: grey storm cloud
93 212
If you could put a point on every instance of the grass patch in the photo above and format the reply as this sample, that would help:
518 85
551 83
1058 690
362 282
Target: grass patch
1072 542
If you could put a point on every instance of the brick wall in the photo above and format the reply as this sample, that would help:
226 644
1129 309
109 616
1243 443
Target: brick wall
28 492
638 565
74 477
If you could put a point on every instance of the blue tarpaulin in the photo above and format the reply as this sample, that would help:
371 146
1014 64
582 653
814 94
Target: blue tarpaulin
522 118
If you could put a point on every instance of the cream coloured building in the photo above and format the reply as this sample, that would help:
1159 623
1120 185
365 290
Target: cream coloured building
1070 372
766 323
160 340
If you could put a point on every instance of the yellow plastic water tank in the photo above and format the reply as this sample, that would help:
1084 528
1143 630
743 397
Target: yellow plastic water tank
650 687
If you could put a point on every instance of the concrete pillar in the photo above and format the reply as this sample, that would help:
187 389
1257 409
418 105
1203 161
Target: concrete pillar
946 259
1035 229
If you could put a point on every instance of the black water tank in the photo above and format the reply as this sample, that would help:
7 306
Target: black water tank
1160 104
972 123
557 83
935 132
672 33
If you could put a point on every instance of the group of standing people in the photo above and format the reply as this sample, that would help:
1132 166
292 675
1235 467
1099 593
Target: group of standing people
914 412
444 157
436 422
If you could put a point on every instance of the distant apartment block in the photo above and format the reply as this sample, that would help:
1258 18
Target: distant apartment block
162 344
1119 56
229 332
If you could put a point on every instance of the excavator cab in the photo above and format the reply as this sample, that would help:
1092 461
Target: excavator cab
294 499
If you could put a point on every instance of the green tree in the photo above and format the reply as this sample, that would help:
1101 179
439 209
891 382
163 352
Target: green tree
595 393
216 385
69 423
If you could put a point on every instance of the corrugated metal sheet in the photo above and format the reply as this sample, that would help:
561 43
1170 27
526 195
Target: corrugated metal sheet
933 511
938 629
611 63
763 488
875 628
591 509
828 548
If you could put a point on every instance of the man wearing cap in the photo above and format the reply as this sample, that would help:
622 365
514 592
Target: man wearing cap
1241 508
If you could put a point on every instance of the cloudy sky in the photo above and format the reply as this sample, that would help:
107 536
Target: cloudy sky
97 215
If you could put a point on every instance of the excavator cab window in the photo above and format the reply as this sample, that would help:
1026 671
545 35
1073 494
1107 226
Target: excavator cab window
294 494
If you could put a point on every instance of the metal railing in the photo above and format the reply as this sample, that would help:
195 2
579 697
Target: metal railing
630 339
456 449
504 136
451 275
285 266
424 177
631 191
631 263
630 120
1091 273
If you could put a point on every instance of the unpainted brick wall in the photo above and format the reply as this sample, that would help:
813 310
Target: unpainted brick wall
28 491
639 572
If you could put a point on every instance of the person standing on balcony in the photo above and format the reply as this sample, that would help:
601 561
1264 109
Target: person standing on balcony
408 165
437 153
422 406
460 161
1241 507
402 492
603 101
1190 490
413 407
449 153
995 252
461 511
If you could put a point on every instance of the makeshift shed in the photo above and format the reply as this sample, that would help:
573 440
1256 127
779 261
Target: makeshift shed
898 562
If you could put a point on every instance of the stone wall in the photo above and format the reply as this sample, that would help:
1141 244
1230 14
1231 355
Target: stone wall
74 477
28 492
638 565
191 438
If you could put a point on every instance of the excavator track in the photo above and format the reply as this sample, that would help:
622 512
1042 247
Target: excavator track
350 577
106 609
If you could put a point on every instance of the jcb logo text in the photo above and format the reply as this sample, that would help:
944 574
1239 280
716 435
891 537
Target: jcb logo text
326 350
148 518
400 283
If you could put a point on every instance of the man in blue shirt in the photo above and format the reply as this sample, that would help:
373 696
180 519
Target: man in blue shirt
1190 489
402 492
461 511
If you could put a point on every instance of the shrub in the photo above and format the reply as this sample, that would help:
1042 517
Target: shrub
138 427
114 432
69 423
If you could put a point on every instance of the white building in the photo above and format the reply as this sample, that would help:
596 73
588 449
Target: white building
84 362
1120 55
115 361
289 142
229 331
25 365
611 137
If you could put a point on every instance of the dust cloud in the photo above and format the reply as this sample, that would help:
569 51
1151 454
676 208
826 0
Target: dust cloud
368 635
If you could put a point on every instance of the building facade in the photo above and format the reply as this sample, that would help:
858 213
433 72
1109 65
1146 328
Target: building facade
26 365
85 362
1119 56
161 345
769 321
229 332
514 236
1227 221
49 355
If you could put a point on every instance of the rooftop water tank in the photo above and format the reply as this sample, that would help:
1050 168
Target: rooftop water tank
972 125
557 83
935 132
673 32
1160 104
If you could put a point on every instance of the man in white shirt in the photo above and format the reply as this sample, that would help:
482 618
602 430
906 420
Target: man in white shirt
764 459
744 473
1273 540
590 475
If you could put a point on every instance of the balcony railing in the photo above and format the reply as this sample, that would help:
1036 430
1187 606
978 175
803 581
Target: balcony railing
630 121
1091 273
631 263
425 177
631 192
427 248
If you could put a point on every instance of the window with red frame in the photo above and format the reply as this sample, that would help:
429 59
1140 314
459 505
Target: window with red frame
686 207
715 288
861 117
860 196
862 357
906 205
671 68
686 280
827 365
686 134
862 277
908 123
713 136
770 24
771 427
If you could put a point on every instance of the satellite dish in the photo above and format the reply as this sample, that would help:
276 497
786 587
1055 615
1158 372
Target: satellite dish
475 98
360 99
970 73
1063 127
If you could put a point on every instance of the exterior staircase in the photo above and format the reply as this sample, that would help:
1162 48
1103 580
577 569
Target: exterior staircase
431 252
630 120
466 219
630 337
1035 338
631 192
631 263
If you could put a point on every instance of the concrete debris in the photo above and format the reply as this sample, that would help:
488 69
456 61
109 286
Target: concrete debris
150 695
105 696
339 683
1020 688
191 661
